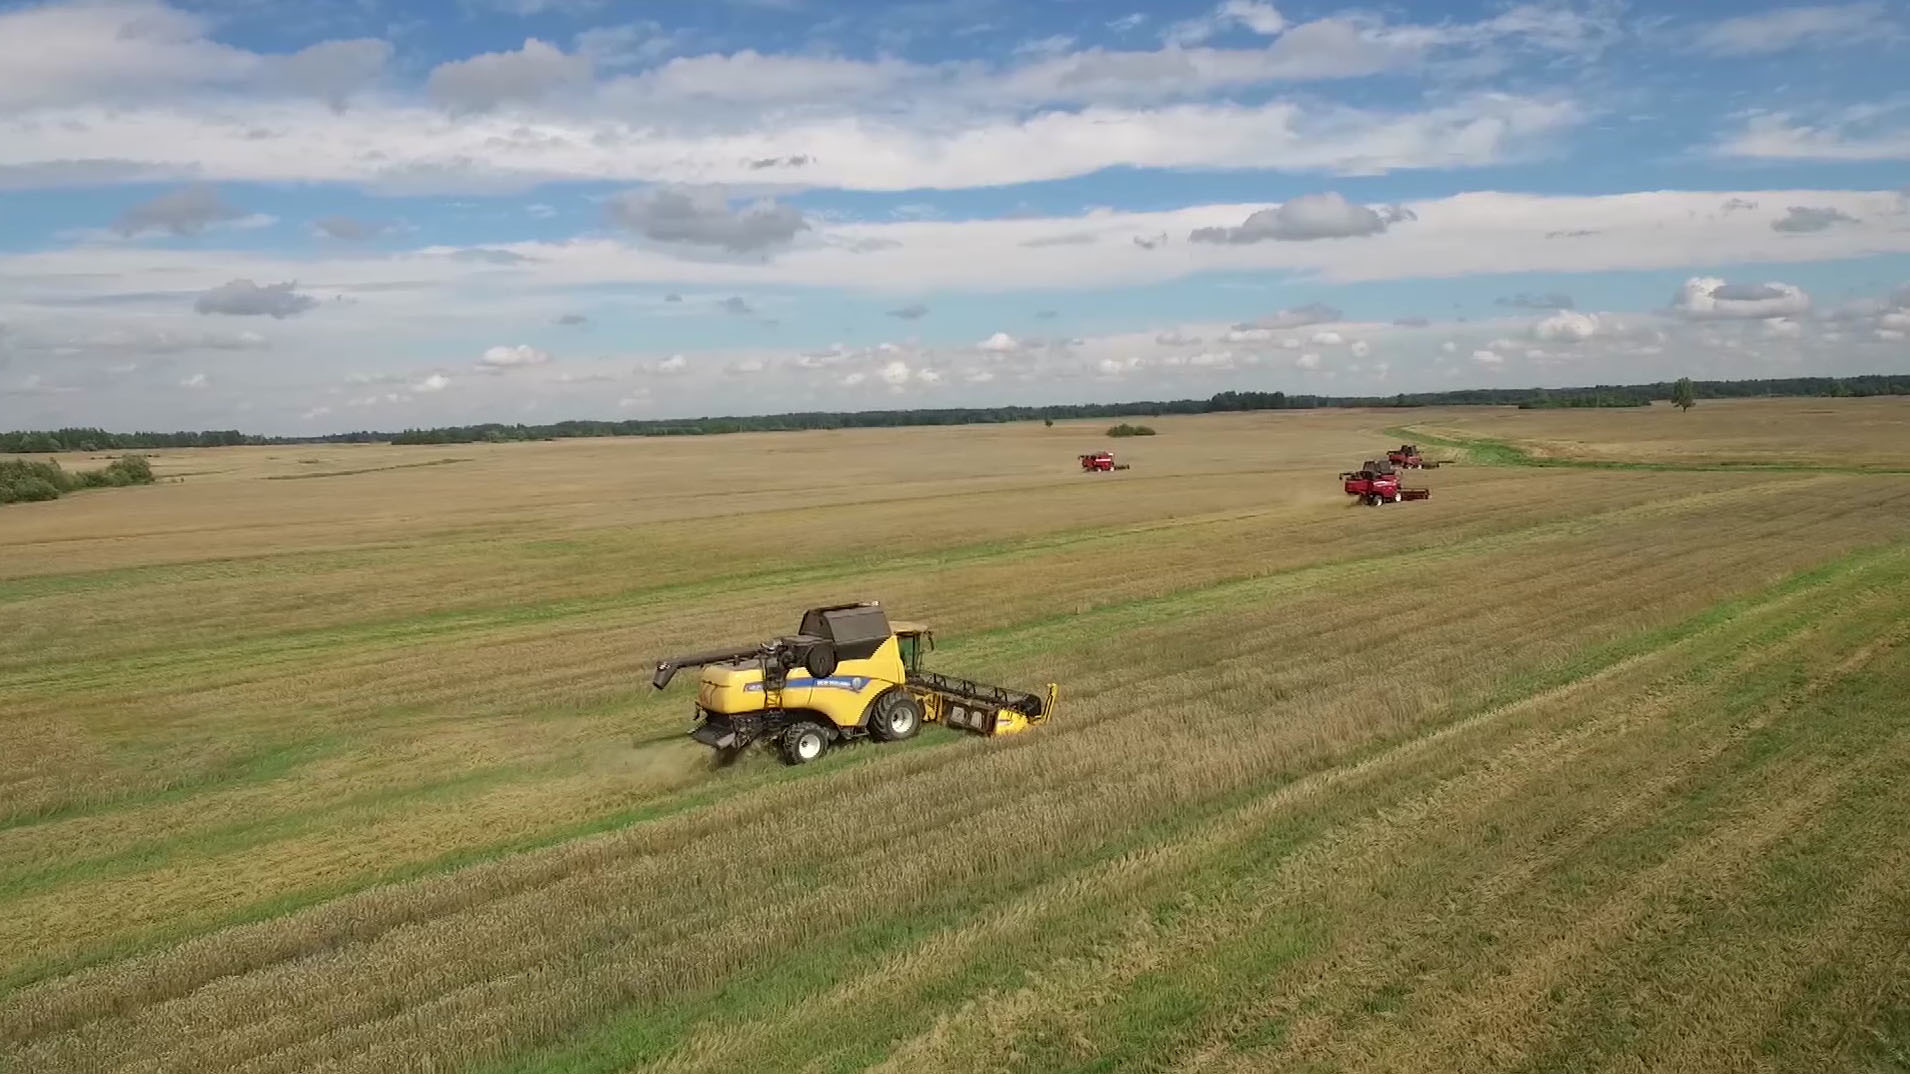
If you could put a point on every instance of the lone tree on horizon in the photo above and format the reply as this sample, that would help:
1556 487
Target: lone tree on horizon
1682 395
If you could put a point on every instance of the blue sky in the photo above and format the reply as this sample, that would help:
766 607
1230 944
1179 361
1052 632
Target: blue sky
306 218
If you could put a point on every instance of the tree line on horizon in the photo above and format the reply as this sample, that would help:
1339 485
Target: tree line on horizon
1603 395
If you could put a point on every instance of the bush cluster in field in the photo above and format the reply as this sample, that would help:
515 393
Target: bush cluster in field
25 480
1124 429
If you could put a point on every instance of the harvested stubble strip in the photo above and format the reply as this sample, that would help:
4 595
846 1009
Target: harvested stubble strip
1540 583
589 662
1044 763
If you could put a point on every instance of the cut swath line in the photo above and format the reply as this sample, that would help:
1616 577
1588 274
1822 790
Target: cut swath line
366 470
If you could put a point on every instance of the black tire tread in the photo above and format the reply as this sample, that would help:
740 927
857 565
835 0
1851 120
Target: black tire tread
786 741
881 707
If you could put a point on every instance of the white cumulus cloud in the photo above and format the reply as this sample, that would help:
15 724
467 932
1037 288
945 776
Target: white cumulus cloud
1710 298
506 357
487 81
1566 326
1259 18
1310 216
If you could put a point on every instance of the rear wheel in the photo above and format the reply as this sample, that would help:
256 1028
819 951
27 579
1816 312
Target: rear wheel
895 716
803 742
1397 497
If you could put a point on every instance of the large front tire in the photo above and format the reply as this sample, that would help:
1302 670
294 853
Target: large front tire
895 716
803 742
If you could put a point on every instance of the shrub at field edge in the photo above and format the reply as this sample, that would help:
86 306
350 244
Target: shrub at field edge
27 481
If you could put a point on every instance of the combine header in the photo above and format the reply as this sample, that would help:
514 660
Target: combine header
1376 482
846 673
1100 460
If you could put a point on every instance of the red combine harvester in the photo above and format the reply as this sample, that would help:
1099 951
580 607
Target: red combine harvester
1376 482
1407 457
1100 460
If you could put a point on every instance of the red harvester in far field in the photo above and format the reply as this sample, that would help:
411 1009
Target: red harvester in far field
1407 457
1100 460
1376 482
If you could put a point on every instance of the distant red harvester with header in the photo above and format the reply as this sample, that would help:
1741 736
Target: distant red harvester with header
1407 457
1376 482
1100 460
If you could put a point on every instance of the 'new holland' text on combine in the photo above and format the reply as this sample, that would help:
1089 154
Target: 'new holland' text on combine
853 684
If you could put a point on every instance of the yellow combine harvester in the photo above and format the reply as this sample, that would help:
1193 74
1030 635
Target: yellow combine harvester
847 672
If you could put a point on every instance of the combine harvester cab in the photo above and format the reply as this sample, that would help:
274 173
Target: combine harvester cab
1358 482
847 673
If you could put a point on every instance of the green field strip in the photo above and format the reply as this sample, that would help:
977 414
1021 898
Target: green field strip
1846 729
1448 944
1152 1015
1116 618
1030 636
1884 565
1038 635
250 832
1488 452
260 766
672 804
1154 1006
764 992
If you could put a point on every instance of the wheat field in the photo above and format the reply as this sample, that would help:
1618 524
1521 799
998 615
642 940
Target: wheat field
345 758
